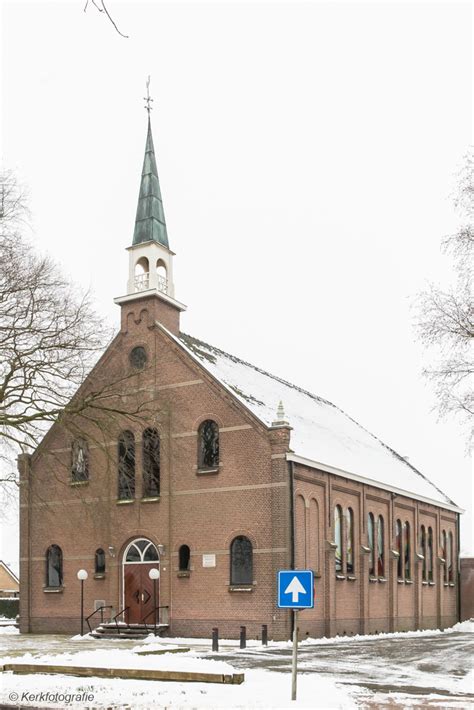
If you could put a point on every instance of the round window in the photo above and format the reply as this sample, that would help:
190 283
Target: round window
138 357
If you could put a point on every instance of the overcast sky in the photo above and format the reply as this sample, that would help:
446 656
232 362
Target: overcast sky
306 154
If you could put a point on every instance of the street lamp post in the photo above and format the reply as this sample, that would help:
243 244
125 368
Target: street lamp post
82 576
154 574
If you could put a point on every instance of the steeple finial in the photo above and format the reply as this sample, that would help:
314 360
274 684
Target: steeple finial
150 225
281 419
148 98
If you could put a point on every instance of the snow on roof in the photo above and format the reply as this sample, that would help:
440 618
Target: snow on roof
10 572
321 432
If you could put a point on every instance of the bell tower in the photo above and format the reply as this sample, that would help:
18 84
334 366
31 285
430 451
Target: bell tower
150 272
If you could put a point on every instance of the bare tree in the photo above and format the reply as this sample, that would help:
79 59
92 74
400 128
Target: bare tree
102 8
445 316
50 340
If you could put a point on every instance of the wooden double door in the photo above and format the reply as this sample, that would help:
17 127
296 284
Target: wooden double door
138 595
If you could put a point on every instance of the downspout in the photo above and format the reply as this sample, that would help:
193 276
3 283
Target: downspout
292 528
458 563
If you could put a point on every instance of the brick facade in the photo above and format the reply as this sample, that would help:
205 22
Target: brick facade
249 495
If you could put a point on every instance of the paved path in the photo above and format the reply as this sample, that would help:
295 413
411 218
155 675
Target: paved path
394 671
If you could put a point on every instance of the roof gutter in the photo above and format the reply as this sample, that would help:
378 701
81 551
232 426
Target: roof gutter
371 482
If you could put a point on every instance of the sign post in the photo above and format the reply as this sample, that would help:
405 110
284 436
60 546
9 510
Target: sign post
295 591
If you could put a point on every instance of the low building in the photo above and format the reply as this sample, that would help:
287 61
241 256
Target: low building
9 582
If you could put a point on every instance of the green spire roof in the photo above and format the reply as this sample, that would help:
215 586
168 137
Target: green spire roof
150 222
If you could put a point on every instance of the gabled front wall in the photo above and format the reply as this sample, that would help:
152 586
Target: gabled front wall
358 602
248 496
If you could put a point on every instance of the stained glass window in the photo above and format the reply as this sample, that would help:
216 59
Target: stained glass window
241 561
80 461
151 463
208 443
399 548
338 537
371 543
349 541
380 548
430 555
407 551
54 566
423 551
100 561
450 557
126 466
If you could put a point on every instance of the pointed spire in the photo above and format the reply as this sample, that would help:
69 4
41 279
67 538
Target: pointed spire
150 222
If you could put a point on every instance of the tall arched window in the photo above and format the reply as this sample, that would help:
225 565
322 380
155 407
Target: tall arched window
407 551
100 561
54 566
151 463
126 466
399 548
380 548
450 558
338 537
444 543
142 274
423 551
184 555
429 563
371 543
162 276
208 445
241 561
349 541
79 461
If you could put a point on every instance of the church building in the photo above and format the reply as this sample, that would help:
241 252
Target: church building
182 503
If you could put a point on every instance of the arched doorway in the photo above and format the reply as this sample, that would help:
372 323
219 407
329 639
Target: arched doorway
139 558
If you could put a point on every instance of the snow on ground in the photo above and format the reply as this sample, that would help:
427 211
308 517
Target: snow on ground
8 629
427 669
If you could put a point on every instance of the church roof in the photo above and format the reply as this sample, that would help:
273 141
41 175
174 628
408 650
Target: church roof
150 222
321 432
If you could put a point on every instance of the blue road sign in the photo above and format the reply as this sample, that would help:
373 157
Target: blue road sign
295 589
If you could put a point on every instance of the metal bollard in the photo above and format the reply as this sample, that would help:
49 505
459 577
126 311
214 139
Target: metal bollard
243 637
264 635
215 639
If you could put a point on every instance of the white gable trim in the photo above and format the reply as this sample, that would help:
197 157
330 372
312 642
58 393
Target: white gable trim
10 572
371 482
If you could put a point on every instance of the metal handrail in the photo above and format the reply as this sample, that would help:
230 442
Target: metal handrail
116 622
101 609
153 611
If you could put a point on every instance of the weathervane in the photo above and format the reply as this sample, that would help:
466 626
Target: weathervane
147 98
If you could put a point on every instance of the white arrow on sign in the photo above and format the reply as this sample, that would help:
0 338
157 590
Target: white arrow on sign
295 588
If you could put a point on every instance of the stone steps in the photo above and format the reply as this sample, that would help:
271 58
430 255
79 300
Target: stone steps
132 631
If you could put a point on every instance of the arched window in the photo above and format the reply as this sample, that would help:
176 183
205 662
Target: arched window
142 269
208 445
349 541
184 558
338 537
79 461
407 551
162 276
100 561
241 562
126 466
423 551
54 566
380 548
430 555
399 548
444 543
141 551
450 558
151 463
371 543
